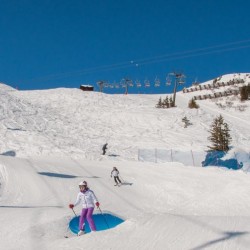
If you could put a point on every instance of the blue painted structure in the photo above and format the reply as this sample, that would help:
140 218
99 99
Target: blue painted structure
102 221
214 158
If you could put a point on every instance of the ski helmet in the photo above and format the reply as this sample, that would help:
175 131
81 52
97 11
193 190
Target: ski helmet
83 183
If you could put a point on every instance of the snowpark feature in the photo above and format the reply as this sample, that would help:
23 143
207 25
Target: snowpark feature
102 221
55 142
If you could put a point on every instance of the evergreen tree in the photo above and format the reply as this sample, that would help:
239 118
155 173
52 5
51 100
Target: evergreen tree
171 102
159 104
166 102
226 137
220 136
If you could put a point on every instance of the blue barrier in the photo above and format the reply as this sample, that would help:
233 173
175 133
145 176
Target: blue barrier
214 158
102 221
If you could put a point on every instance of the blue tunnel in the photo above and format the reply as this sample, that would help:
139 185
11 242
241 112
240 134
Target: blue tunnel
102 221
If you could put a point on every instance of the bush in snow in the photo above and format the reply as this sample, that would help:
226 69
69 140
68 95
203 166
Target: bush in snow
192 104
244 93
186 122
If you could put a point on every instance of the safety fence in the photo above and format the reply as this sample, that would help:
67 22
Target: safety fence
192 158
231 160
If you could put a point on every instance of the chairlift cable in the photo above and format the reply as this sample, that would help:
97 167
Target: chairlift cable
157 59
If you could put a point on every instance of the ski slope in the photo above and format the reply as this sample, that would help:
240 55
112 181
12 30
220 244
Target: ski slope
56 137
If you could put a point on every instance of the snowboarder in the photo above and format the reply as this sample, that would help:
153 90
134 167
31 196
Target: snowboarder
88 201
115 173
104 148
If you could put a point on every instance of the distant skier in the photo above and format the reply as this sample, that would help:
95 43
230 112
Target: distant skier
88 201
115 173
104 148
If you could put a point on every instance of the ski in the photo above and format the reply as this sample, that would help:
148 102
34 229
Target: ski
69 236
72 235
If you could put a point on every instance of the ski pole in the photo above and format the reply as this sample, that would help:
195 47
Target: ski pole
104 217
122 179
125 182
74 212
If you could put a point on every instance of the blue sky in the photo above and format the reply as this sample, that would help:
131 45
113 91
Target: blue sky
49 44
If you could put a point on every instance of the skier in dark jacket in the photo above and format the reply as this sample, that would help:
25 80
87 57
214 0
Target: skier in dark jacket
104 148
115 173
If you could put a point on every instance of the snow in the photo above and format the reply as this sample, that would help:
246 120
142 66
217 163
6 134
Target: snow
52 139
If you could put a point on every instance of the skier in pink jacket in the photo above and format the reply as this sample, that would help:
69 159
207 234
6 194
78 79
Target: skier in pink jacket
88 201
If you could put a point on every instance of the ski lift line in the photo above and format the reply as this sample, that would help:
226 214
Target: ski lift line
145 61
191 51
84 72
173 58
122 65
194 55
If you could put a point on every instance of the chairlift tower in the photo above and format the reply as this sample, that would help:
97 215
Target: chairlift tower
100 84
178 80
127 82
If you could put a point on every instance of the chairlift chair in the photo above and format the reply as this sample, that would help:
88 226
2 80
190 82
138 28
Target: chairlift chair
147 83
195 83
157 82
123 85
138 84
130 83
168 82
181 80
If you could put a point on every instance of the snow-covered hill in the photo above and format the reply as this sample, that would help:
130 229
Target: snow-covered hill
77 123
56 137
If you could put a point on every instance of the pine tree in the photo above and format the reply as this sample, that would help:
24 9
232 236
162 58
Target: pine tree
220 136
171 102
159 104
166 102
226 137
